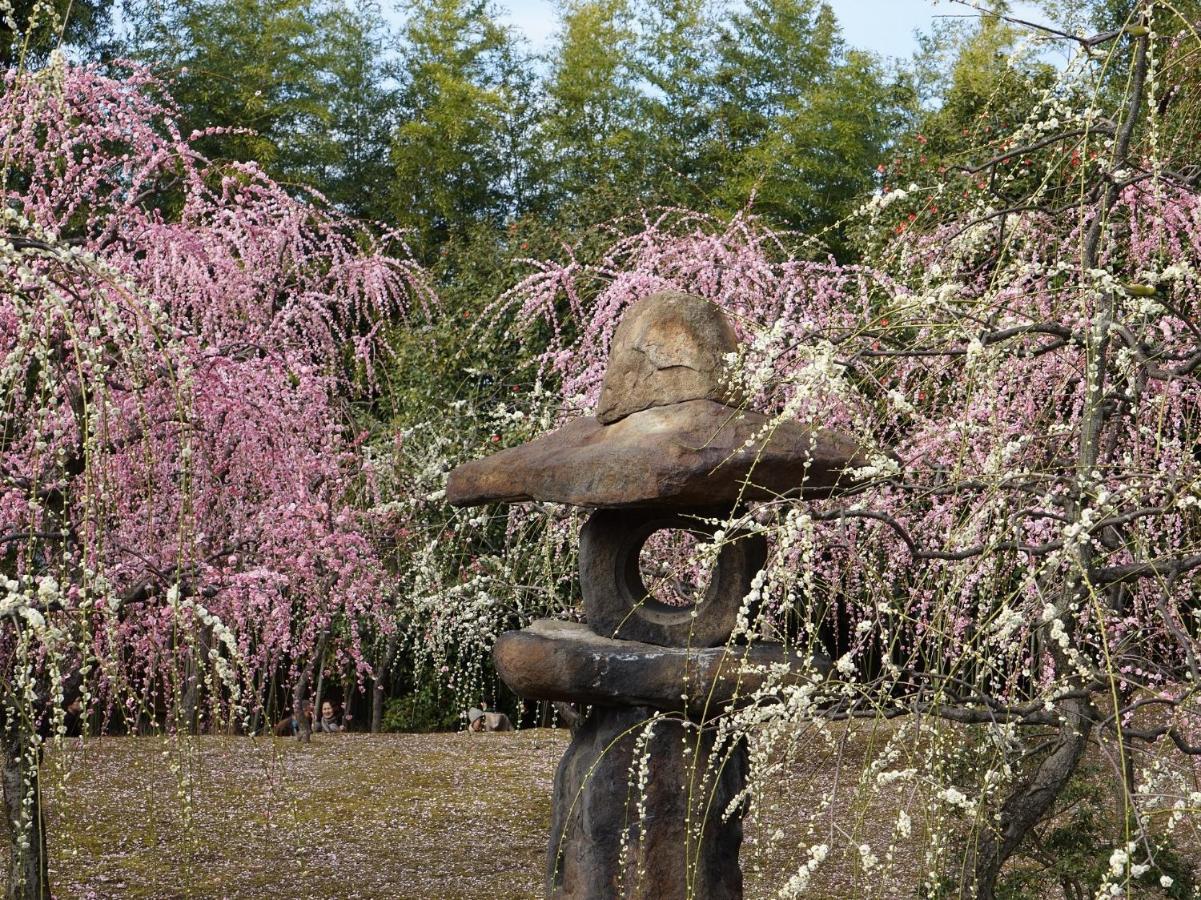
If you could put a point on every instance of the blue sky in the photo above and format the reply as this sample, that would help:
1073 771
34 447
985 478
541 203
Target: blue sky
883 26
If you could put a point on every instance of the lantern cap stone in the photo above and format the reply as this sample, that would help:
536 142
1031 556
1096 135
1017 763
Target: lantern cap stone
668 432
668 348
684 456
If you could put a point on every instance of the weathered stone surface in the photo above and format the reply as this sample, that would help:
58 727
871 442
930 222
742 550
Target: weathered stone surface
668 348
687 455
596 809
553 660
617 603
667 439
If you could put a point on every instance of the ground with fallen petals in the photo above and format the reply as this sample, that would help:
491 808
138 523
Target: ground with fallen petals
435 817
347 816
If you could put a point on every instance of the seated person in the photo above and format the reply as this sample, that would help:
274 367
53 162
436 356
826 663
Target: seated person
73 715
329 721
480 720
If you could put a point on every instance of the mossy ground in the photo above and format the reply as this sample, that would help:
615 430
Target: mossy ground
435 817
348 816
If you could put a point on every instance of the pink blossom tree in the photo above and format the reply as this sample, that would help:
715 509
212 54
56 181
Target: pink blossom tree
178 460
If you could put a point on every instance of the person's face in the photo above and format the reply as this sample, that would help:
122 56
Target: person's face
327 710
478 724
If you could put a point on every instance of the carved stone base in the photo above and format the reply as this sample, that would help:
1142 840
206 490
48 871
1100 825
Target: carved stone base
676 844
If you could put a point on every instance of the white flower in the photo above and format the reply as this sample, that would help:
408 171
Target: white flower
878 466
868 858
799 882
955 797
1118 860
900 402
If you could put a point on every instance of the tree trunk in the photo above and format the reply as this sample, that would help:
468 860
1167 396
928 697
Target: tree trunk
377 708
256 713
1028 803
194 679
379 688
317 699
28 873
304 731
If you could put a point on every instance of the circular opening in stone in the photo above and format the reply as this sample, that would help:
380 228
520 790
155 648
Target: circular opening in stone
672 571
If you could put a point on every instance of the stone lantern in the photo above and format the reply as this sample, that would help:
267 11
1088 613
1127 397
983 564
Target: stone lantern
670 448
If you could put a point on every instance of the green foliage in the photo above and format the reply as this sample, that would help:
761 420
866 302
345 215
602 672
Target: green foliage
969 90
983 93
592 134
1072 850
464 117
675 59
30 29
426 708
353 169
1069 853
298 86
454 130
801 122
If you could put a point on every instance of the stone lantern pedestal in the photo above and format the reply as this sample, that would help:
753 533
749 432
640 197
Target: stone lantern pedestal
647 798
612 836
639 817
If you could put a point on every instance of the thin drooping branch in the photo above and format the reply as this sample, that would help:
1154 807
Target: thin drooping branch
1086 42
1037 145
